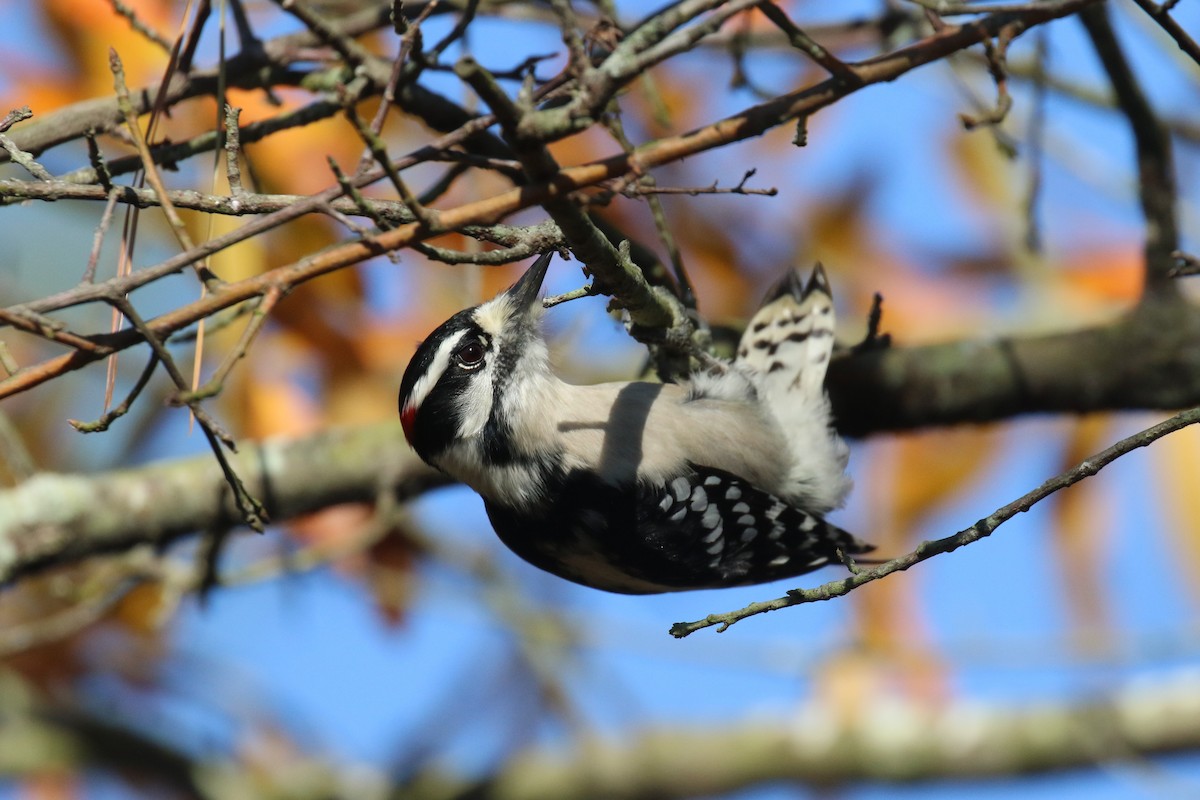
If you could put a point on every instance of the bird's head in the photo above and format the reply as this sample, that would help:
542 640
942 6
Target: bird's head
453 387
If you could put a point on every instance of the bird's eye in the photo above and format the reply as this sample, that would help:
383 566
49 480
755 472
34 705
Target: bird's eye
470 355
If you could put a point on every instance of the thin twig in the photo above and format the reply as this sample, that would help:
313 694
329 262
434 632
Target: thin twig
995 54
252 511
16 154
13 117
233 151
931 548
110 416
89 274
51 330
366 207
96 159
216 383
645 185
408 40
1157 189
806 44
427 217
353 52
151 169
145 30
695 191
1161 15
947 8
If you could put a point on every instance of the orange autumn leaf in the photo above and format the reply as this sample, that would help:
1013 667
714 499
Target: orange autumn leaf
142 609
1176 464
1082 535
88 30
272 405
1110 275
985 172
934 467
913 476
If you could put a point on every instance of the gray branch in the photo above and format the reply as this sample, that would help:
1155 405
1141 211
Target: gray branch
1145 360
54 519
908 744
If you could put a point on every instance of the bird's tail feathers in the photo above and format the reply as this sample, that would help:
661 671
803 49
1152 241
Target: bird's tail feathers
789 340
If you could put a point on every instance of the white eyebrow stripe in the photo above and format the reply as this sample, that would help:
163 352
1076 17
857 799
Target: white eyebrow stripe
441 360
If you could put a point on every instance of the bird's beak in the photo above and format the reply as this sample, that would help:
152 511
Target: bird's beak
524 292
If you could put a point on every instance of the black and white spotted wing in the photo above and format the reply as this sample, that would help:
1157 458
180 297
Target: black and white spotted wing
723 531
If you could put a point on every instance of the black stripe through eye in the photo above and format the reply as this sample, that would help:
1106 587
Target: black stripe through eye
470 354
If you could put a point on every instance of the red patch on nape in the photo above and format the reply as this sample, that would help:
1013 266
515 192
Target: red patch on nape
408 418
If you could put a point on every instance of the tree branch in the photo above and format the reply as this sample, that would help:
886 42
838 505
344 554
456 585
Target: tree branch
1156 167
54 519
983 380
894 743
928 549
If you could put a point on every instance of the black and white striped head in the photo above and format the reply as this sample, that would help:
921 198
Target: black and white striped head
452 390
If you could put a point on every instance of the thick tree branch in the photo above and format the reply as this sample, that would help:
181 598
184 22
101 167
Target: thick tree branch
55 519
893 744
58 518
903 388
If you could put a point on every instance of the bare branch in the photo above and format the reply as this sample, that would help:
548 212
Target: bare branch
931 548
1162 15
113 512
1156 168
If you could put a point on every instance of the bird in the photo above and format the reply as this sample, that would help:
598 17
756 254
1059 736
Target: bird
638 487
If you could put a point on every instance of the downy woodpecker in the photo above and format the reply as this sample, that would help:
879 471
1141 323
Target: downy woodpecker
641 487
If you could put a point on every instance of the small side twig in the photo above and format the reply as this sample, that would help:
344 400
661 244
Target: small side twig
51 330
113 414
713 188
110 205
873 339
428 217
645 184
806 44
928 549
15 153
216 383
566 297
13 117
141 27
233 150
96 159
1161 14
365 207
252 511
995 53
353 52
125 104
